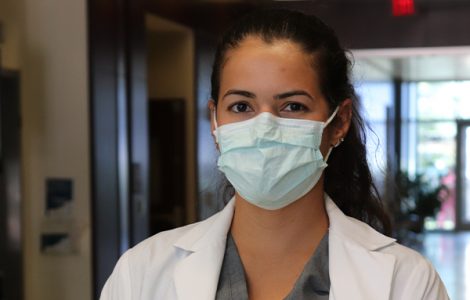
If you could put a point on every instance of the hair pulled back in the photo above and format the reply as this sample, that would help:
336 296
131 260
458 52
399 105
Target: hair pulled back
348 178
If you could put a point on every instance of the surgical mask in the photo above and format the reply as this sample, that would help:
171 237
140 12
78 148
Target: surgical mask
271 161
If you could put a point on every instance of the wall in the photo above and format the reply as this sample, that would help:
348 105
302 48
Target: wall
11 19
363 24
47 41
171 75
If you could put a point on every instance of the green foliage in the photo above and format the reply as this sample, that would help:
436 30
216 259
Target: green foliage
419 196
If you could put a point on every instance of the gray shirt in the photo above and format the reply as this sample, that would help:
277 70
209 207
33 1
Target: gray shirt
313 283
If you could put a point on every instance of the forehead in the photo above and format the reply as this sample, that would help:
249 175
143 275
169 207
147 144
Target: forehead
255 61
254 47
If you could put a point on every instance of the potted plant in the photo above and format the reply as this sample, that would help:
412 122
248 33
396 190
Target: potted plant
419 198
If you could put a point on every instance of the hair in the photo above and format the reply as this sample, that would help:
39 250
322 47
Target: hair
348 178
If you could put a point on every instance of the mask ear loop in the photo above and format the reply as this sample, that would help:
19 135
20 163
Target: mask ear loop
333 115
214 116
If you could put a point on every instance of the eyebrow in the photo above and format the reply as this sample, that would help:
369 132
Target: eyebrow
276 97
293 93
239 93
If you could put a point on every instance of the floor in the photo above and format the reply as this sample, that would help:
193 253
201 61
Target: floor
450 255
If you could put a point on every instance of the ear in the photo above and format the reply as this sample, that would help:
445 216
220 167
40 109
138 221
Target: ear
342 123
212 111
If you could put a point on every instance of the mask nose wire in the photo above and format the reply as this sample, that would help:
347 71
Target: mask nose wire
214 114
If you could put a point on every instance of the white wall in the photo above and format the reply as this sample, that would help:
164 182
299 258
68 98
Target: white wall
47 42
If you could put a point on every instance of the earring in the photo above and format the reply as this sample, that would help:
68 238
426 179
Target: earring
339 142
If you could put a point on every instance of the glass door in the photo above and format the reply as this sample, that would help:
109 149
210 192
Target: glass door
463 175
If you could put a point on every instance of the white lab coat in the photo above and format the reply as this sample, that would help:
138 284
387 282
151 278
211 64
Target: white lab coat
185 263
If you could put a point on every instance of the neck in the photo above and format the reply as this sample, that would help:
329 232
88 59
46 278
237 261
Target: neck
297 227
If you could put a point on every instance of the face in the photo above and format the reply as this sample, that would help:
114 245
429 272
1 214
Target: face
277 78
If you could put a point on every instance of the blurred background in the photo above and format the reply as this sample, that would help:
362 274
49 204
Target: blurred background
105 137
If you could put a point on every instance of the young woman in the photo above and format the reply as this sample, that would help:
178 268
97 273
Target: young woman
285 119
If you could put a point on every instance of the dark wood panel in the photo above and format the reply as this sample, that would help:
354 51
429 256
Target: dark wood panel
211 17
435 23
11 240
362 26
119 146
104 61
139 135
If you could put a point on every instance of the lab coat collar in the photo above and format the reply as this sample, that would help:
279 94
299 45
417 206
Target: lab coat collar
357 269
208 232
197 275
353 230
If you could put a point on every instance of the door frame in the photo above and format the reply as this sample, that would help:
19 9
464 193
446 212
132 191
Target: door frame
461 159
11 249
118 130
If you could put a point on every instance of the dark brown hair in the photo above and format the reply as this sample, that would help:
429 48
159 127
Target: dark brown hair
348 178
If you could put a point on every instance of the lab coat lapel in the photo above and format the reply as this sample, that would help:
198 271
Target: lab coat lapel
359 274
357 269
197 275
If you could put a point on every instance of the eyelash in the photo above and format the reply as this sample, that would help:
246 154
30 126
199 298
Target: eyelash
233 107
302 108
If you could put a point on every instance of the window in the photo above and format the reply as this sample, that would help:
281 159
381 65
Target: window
430 138
376 100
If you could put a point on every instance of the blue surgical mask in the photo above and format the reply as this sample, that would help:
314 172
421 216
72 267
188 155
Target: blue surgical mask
271 161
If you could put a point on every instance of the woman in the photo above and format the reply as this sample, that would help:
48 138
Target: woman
283 109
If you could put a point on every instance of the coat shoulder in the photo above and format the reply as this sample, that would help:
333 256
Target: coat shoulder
161 247
161 241
357 247
414 275
146 268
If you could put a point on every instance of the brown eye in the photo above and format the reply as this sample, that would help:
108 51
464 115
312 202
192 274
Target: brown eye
295 107
240 107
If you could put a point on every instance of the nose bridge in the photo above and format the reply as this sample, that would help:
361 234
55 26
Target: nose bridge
269 108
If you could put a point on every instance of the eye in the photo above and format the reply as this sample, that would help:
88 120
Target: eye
240 107
293 107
